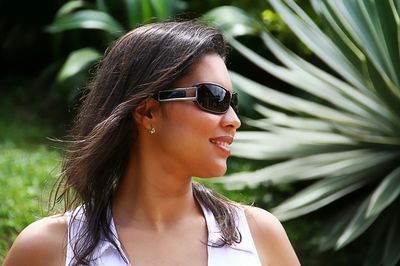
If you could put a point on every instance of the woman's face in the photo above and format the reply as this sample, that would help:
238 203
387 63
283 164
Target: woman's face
191 140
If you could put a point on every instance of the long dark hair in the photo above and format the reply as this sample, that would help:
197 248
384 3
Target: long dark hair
140 63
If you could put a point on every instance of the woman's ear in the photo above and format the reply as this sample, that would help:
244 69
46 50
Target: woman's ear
146 113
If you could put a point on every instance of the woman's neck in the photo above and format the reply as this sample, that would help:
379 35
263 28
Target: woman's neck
153 197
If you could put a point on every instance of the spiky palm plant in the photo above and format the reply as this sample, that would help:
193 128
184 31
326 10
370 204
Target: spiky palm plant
345 137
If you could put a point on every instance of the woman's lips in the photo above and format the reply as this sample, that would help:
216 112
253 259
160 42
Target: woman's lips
222 144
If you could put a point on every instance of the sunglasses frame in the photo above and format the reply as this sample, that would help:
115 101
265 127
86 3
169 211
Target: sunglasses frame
183 92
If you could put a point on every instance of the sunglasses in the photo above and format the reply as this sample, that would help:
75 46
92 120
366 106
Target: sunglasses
210 97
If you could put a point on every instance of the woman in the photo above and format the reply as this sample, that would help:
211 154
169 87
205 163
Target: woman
160 110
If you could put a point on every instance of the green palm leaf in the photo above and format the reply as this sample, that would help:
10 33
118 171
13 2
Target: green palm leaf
319 194
347 137
392 246
329 164
385 193
357 225
321 44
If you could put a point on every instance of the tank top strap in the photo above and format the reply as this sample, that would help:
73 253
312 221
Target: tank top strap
104 254
243 253
73 220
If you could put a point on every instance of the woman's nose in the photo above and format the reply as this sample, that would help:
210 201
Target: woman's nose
231 119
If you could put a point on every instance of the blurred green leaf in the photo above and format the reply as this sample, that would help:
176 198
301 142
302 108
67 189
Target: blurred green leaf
365 25
163 8
295 104
317 82
385 193
147 11
81 15
320 194
321 45
69 7
77 61
329 164
101 6
87 19
357 225
232 20
336 224
392 246
134 8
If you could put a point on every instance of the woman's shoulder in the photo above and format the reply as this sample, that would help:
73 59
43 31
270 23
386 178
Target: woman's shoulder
41 243
261 219
263 223
270 238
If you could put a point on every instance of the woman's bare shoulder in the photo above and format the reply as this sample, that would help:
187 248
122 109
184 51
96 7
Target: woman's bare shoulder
270 238
262 220
41 243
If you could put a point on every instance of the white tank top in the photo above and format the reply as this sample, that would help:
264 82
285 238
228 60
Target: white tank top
243 253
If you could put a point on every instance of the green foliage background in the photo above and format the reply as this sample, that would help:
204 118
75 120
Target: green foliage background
28 169
39 99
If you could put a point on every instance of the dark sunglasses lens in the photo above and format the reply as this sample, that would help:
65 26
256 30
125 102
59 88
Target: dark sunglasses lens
235 103
213 98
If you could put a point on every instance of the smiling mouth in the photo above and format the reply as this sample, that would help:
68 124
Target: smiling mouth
219 142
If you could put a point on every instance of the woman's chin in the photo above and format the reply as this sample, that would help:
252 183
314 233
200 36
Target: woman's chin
216 172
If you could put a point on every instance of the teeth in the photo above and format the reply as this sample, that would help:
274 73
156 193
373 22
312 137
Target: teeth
219 143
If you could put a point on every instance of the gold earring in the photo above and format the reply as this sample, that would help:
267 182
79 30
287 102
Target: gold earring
152 130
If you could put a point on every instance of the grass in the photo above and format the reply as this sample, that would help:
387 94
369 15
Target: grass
28 167
25 183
